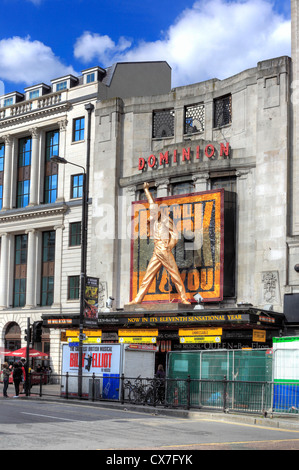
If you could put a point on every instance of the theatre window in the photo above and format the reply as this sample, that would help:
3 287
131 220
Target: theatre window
185 187
194 120
163 123
222 111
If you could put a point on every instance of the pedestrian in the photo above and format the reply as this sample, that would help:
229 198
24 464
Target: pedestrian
6 374
17 378
160 390
160 372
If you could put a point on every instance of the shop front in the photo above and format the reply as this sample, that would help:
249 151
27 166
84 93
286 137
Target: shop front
179 329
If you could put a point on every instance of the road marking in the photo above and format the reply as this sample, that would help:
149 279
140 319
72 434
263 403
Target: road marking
228 443
250 425
47 416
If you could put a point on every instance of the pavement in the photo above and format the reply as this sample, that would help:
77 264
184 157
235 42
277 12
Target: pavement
273 420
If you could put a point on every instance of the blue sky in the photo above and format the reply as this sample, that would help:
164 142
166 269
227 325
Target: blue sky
45 39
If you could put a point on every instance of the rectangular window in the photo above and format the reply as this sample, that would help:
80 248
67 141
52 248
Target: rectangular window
24 165
51 169
33 94
222 111
20 271
75 234
2 153
194 118
163 123
90 78
78 129
76 186
73 287
8 102
61 86
48 264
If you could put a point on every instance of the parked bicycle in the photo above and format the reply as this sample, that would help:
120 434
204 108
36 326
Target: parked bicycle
136 392
155 394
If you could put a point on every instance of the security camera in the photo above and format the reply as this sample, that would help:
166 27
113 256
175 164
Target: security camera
296 267
198 298
109 302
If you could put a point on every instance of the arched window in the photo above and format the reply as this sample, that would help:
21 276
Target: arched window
13 337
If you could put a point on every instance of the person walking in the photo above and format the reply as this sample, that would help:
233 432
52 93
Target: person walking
17 378
6 374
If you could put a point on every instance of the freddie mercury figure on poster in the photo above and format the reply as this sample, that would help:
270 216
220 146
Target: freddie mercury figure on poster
165 239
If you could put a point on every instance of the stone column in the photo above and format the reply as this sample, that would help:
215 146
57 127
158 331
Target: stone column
31 270
162 187
58 265
61 168
201 181
35 165
4 270
8 160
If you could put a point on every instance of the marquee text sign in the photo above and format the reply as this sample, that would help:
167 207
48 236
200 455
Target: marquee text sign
183 155
199 221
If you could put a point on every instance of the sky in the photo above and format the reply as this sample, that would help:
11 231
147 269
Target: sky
45 39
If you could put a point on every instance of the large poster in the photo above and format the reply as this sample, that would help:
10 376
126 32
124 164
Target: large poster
199 222
97 359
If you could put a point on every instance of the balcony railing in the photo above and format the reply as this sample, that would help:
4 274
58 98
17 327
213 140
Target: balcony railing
36 104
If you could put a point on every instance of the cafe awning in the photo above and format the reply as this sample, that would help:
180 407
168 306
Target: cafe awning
23 352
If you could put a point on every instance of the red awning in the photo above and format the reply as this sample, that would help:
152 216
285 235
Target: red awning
23 351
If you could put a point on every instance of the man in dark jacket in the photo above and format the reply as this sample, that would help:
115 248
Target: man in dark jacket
17 378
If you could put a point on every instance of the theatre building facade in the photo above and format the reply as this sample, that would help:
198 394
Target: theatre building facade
216 157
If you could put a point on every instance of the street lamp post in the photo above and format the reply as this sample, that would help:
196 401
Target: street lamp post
57 159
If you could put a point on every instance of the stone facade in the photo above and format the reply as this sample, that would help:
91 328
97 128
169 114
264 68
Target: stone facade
257 166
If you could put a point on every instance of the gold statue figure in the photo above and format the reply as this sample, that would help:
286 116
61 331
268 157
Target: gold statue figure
165 239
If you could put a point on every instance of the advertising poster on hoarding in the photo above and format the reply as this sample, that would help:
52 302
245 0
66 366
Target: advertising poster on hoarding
98 359
91 297
198 219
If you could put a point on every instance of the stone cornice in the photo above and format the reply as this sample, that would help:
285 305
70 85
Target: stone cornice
33 212
35 114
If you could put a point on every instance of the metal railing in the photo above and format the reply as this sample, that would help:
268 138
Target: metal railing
221 395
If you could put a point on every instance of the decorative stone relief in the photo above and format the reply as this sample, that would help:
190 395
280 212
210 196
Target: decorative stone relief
270 287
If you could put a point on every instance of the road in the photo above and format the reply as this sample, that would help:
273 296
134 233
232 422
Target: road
41 425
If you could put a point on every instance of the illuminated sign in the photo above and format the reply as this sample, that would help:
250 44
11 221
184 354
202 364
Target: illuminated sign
183 155
200 254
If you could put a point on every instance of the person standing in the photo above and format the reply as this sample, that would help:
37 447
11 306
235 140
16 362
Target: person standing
17 378
6 374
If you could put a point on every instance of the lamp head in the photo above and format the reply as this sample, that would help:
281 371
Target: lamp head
57 159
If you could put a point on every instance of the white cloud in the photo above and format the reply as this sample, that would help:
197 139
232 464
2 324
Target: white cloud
25 61
94 46
214 38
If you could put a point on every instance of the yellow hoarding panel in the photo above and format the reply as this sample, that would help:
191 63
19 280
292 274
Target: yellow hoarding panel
200 331
200 339
142 333
259 336
137 339
74 333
